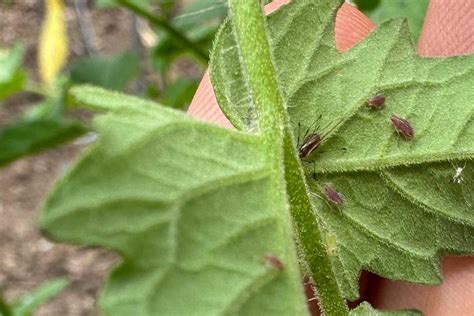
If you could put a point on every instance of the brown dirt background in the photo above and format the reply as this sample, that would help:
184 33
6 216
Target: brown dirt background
26 258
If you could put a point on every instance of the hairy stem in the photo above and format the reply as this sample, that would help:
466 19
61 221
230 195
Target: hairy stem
167 27
310 234
249 25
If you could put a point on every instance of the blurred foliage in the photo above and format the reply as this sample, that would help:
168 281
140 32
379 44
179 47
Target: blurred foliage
43 126
47 124
12 77
111 72
383 10
179 93
367 5
27 304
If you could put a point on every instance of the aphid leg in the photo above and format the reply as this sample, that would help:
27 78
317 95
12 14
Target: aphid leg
313 126
398 138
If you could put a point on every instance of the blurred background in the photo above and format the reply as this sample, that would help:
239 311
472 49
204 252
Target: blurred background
155 49
106 44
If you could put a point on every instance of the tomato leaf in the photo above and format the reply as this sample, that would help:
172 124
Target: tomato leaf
192 209
414 11
402 210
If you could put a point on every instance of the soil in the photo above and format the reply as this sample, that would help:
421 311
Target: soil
27 259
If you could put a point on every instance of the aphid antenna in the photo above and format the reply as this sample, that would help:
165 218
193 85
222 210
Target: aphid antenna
312 126
330 131
455 166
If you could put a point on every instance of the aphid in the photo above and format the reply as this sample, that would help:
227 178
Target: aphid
274 262
333 196
402 126
376 102
458 178
310 143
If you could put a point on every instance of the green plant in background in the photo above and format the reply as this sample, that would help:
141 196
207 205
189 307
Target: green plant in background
111 72
26 305
382 10
45 125
182 31
207 220
12 77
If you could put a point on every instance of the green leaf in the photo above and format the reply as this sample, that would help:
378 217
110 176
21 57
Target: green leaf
199 20
111 72
180 93
192 208
5 308
167 50
367 5
402 209
414 11
364 309
12 77
29 136
31 301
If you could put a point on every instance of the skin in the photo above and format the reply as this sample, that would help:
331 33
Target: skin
448 31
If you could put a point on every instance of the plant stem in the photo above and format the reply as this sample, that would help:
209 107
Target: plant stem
249 25
310 234
167 27
85 26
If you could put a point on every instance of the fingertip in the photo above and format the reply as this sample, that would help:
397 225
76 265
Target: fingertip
352 26
452 297
204 104
448 29
272 6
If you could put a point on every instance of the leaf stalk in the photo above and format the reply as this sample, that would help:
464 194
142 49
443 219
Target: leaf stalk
250 28
167 27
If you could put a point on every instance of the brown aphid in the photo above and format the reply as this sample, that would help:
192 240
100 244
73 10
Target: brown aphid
310 144
333 196
402 126
376 102
274 262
